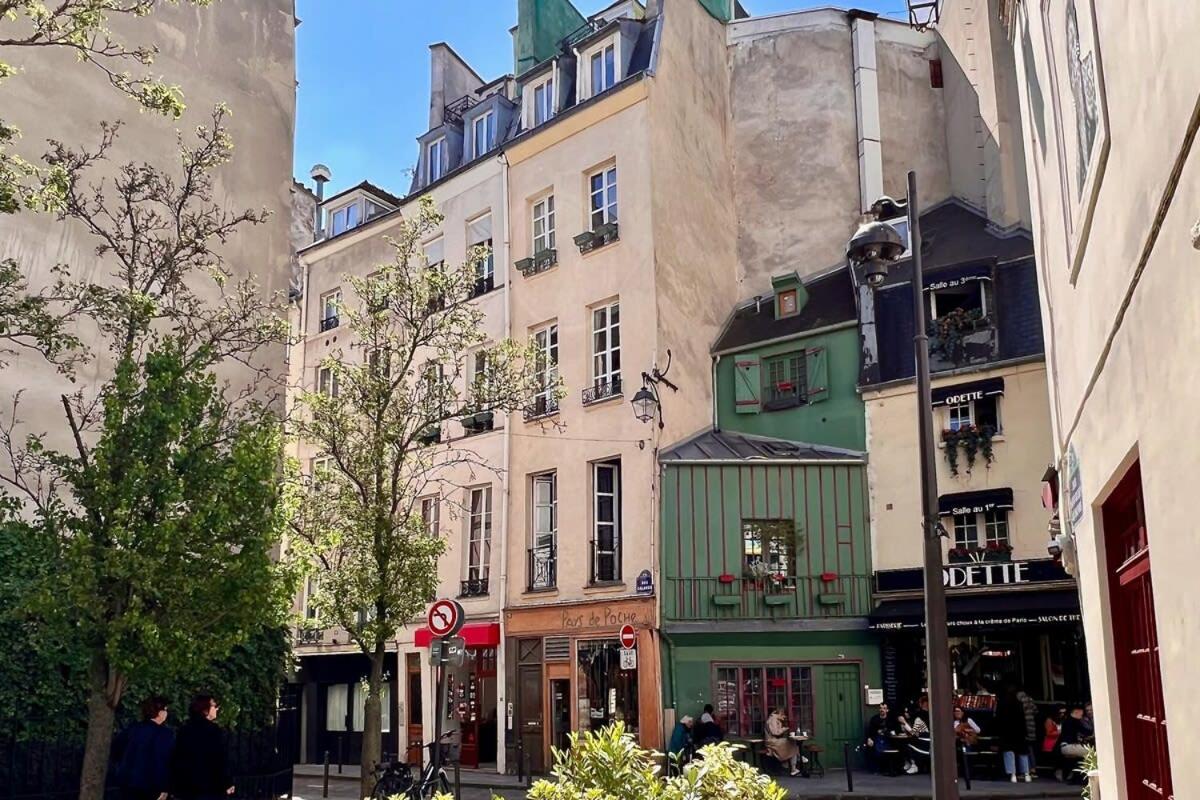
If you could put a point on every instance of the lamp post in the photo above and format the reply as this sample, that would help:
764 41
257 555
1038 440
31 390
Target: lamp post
874 248
646 403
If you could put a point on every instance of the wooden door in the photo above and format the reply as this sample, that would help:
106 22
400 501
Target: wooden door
840 720
529 700
414 706
1135 636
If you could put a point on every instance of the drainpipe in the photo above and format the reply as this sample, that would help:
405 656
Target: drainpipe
715 363
505 490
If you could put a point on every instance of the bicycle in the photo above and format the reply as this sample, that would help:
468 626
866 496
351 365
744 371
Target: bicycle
431 782
393 778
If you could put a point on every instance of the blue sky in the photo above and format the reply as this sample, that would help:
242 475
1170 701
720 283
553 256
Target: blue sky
364 74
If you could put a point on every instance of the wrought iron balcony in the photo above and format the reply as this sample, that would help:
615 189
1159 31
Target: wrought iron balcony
542 406
452 112
543 568
540 261
594 239
602 390
474 587
329 323
478 423
482 286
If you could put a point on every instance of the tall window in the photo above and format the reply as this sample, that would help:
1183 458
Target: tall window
786 381
545 340
995 528
327 382
310 591
959 415
430 514
966 531
768 546
479 534
485 270
543 101
745 695
543 224
480 375
602 189
343 219
330 302
604 69
606 348
483 133
606 521
987 530
337 696
437 159
543 555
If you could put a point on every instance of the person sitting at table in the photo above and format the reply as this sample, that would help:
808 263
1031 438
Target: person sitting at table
966 731
918 729
779 746
879 728
707 731
1072 745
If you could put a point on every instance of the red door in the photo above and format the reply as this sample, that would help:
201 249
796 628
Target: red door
1135 635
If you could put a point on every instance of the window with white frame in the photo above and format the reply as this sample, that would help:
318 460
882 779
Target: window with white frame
330 305
986 530
966 531
479 534
602 69
327 381
602 194
483 133
545 342
606 347
543 224
431 514
343 219
606 522
980 412
543 101
436 159
995 528
543 552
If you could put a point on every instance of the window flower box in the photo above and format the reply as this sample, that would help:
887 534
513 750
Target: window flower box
585 241
726 600
478 422
831 598
777 599
431 435
975 440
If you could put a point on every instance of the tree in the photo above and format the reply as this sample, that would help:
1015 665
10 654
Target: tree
359 524
164 513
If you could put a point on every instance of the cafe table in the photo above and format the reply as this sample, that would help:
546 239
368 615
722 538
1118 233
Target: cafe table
800 739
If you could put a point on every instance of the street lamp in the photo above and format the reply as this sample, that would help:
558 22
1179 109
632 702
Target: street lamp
874 248
646 402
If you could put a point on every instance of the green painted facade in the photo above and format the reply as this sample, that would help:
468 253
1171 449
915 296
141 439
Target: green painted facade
834 417
541 27
719 9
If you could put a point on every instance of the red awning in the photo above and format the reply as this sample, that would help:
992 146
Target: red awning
477 634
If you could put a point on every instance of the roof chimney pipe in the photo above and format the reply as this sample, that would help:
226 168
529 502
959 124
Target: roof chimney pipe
320 175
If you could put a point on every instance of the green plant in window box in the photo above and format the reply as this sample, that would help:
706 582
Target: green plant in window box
975 440
949 331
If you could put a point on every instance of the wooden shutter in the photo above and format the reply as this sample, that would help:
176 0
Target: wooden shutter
817 369
747 384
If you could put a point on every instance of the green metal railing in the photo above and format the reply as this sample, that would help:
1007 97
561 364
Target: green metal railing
734 598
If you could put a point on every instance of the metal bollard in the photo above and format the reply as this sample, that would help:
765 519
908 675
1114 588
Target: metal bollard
457 781
520 761
528 773
966 764
849 767
325 788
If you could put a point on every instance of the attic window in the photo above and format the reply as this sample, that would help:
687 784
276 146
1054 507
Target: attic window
789 304
543 101
344 218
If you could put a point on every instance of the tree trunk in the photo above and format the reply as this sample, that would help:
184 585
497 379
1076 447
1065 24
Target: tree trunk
372 738
101 715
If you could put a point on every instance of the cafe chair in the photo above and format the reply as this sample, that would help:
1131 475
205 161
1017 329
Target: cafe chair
813 752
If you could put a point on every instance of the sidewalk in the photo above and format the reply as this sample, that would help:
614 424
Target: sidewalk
467 777
868 786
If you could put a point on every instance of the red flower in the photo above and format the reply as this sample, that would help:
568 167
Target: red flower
726 578
829 577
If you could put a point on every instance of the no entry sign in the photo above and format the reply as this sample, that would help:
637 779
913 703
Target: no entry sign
445 618
628 637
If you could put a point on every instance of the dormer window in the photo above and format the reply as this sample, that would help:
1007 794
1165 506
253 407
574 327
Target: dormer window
483 133
788 303
343 219
602 68
543 101
437 159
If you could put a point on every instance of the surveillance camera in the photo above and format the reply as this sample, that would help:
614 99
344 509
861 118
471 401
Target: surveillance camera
874 273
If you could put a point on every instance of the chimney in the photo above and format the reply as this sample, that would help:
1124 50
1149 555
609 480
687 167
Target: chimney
320 175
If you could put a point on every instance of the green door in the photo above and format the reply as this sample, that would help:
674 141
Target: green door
840 719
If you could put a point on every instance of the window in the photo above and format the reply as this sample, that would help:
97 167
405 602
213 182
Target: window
433 385
787 303
993 525
374 210
787 381
995 528
483 133
980 412
543 224
360 706
479 534
606 350
431 515
330 302
969 297
480 375
327 381
344 219
543 553
606 693
485 271
437 159
966 534
602 189
543 101
545 340
768 547
310 591
336 697
606 522
603 64
745 694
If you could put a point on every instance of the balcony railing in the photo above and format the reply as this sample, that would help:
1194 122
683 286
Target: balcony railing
329 323
602 390
733 598
605 233
540 261
961 339
478 422
310 635
543 568
482 286
474 587
542 406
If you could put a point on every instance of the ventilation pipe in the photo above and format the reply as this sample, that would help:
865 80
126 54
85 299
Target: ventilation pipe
321 176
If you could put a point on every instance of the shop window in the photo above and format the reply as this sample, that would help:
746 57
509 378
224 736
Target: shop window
360 706
606 522
607 693
336 697
786 381
746 694
768 547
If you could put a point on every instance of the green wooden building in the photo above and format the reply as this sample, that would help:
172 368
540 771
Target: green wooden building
766 557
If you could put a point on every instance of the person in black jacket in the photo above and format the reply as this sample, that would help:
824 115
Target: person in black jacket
143 752
198 768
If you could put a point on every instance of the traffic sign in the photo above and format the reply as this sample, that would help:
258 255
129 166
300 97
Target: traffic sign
628 658
628 637
444 651
445 618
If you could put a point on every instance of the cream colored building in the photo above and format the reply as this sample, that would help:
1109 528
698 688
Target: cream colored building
1110 101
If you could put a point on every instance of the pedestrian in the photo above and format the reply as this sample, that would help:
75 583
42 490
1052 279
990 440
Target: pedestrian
1031 729
680 747
779 746
198 766
880 727
708 731
1010 729
143 754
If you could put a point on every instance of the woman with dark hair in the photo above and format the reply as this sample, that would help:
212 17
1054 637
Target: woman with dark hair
1010 729
198 768
143 753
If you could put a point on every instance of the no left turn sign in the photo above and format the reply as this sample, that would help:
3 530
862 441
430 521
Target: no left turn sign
445 618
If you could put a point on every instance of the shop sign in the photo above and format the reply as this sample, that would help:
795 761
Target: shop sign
984 621
598 618
1074 487
959 576
645 583
975 575
628 658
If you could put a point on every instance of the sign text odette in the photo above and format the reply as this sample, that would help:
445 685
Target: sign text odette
958 576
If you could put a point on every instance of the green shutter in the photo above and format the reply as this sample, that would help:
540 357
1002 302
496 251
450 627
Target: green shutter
747 384
818 374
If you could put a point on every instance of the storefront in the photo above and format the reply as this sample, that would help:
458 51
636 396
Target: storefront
333 705
567 672
1008 620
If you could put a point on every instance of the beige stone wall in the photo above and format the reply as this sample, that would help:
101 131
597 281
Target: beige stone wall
1122 326
1022 452
241 52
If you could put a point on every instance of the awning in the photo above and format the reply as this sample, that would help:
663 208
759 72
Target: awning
982 611
975 502
476 634
957 276
964 392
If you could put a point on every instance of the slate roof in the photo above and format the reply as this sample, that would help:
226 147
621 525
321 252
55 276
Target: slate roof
830 301
369 188
716 445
